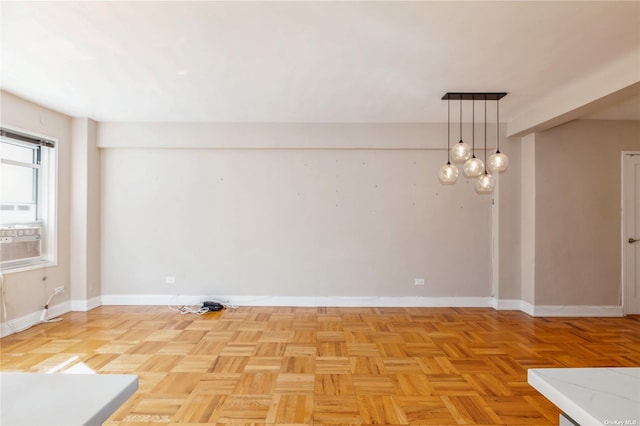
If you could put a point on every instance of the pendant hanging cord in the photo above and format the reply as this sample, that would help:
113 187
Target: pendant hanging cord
460 118
473 126
448 130
497 125
485 133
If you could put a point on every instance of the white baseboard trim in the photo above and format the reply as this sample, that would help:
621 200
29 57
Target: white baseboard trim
374 301
368 302
577 311
527 308
27 321
506 304
86 305
558 310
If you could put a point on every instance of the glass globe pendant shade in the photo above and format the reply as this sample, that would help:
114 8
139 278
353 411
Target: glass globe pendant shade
473 167
448 174
460 152
498 162
485 183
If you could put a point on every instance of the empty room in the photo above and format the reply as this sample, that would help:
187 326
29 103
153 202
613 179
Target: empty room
319 213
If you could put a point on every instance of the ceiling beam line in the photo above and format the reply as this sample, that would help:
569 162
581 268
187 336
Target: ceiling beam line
609 85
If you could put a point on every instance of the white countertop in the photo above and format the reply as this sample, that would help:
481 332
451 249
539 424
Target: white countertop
33 399
592 396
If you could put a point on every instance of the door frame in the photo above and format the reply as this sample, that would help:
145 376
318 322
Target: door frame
623 229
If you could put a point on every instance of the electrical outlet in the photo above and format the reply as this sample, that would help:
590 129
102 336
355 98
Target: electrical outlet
59 290
419 281
169 280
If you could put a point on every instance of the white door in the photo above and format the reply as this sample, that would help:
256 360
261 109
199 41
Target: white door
631 233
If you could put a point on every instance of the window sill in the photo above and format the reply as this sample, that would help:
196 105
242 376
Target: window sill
27 267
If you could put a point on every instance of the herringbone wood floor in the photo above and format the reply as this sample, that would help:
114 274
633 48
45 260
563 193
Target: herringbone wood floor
349 366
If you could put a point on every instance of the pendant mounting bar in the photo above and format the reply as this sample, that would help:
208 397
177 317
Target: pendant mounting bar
469 96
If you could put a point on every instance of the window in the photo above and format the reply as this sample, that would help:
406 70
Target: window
27 200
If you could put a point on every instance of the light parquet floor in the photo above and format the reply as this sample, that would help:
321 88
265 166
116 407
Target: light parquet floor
325 366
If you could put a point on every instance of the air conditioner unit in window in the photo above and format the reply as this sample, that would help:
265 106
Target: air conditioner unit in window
19 243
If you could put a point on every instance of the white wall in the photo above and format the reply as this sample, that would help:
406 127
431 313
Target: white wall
508 224
528 218
85 215
578 213
289 222
327 210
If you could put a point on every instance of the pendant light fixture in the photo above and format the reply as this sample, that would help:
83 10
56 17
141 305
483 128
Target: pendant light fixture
485 182
498 162
473 167
462 152
448 173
